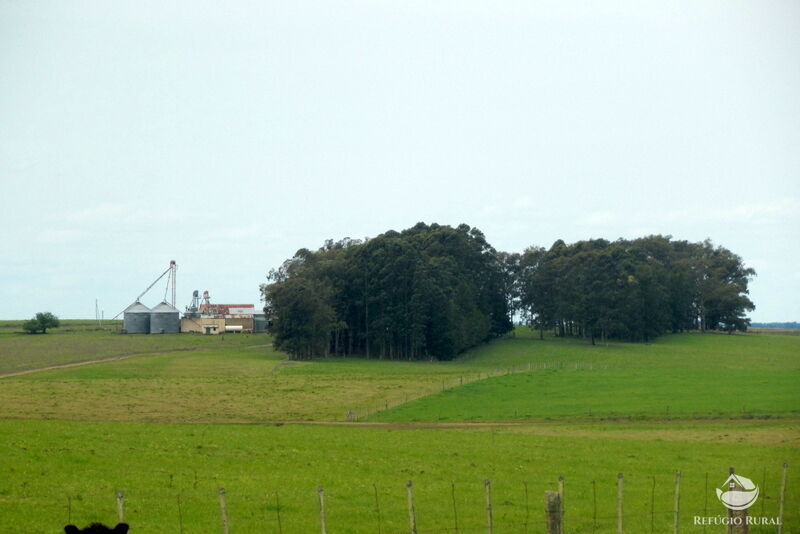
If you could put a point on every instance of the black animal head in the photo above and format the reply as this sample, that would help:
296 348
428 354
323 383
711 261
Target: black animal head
97 528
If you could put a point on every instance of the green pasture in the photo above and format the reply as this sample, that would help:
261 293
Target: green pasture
689 375
55 471
79 341
67 325
214 379
241 378
183 415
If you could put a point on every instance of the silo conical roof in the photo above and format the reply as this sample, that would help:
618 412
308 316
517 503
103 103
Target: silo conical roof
137 307
165 307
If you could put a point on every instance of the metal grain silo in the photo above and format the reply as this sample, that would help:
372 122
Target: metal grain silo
136 319
165 319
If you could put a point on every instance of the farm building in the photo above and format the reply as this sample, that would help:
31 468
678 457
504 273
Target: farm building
211 318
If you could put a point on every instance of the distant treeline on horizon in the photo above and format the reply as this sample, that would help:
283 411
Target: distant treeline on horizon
433 291
788 326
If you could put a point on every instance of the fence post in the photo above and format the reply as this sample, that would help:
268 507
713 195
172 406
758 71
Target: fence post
763 490
552 502
278 512
412 518
223 509
321 496
377 508
527 509
705 501
455 511
783 494
653 506
620 482
121 506
737 519
487 486
561 498
676 526
180 515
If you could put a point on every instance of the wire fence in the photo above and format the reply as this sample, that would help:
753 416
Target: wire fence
456 380
659 504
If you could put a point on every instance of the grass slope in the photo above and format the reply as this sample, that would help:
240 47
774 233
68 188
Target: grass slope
688 375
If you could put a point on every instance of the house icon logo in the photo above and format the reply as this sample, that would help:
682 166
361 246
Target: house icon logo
738 493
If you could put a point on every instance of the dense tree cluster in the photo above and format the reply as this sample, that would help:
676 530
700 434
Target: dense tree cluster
633 289
427 292
433 291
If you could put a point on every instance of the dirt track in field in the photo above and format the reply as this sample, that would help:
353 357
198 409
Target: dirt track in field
112 359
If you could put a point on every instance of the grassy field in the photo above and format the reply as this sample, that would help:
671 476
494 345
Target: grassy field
79 341
72 436
51 464
67 325
682 376
778 331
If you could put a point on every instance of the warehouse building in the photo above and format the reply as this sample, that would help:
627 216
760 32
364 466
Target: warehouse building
208 318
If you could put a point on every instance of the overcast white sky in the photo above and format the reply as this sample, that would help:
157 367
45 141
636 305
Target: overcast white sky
228 135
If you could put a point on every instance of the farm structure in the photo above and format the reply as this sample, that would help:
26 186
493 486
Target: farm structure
208 318
162 319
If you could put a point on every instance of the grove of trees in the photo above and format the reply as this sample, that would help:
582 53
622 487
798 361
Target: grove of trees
432 291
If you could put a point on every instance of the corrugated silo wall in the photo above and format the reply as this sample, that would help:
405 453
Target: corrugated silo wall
136 323
165 323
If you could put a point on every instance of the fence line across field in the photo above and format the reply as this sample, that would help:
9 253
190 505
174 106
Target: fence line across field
468 378
553 518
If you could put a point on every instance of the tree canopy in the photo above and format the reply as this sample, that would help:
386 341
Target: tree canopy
41 322
432 291
634 289
426 292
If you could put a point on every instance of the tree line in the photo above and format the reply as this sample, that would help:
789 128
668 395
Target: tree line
433 291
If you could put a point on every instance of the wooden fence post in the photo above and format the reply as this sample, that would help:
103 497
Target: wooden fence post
783 495
705 501
527 509
561 499
412 518
377 508
121 506
455 510
321 497
223 509
487 487
552 502
278 512
620 482
737 519
676 525
180 515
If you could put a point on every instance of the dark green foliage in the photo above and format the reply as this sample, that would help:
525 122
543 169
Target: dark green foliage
31 326
434 291
427 292
40 323
634 289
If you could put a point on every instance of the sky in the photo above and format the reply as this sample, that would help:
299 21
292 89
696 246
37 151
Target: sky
227 135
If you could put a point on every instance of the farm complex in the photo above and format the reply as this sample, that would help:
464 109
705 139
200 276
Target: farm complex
201 316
